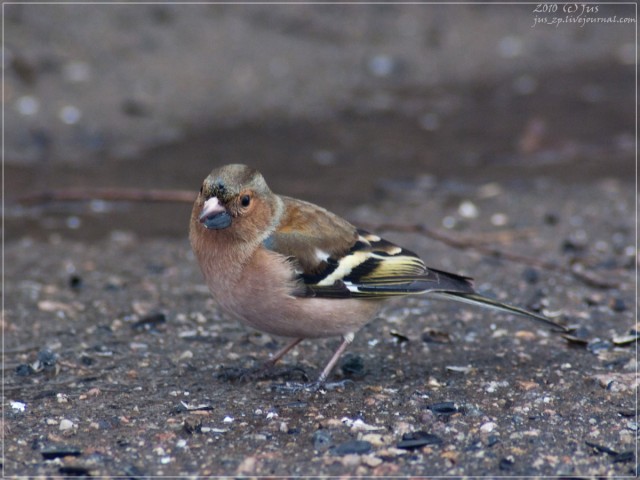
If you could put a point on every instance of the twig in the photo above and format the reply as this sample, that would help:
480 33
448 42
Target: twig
108 194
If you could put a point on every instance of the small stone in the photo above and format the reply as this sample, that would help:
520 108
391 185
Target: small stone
624 457
617 305
75 282
371 461
628 339
488 427
531 275
351 460
382 65
499 219
376 439
322 440
186 355
18 406
359 447
506 463
468 209
66 424
51 306
149 322
192 425
418 439
24 370
70 114
443 408
459 368
52 452
597 345
435 336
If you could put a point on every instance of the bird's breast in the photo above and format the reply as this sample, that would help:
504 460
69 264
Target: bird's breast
260 294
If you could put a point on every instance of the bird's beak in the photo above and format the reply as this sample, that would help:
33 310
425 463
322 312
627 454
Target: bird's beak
214 216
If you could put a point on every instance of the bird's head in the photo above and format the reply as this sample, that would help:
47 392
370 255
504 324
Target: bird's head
234 198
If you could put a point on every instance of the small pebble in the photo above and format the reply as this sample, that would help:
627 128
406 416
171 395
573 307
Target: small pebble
46 359
24 370
488 427
449 222
468 209
596 345
66 424
617 305
52 452
75 282
149 322
359 447
322 440
18 406
419 439
28 105
624 457
531 275
622 340
371 461
443 408
506 463
435 336
499 219
70 114
382 65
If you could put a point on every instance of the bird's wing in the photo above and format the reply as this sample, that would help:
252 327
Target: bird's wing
334 259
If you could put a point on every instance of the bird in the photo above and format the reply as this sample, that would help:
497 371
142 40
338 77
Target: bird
293 269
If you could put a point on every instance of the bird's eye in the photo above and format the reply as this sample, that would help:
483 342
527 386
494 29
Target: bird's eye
245 200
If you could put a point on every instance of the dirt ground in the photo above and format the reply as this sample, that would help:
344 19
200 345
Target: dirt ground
114 350
118 363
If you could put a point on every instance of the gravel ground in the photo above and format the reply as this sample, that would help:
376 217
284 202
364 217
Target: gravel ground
114 354
516 144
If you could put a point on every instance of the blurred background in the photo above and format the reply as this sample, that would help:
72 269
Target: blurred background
337 104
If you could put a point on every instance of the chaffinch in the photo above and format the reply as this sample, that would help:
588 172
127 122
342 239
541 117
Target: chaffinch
291 268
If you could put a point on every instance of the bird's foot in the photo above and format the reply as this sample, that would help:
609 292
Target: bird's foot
261 372
295 387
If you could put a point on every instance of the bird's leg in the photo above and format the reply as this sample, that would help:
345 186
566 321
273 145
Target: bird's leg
346 341
281 353
295 387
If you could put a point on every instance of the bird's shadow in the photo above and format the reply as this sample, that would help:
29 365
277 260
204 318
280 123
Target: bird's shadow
262 373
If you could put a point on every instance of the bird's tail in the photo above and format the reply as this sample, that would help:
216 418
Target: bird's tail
476 299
